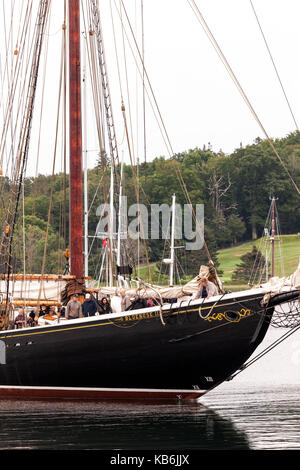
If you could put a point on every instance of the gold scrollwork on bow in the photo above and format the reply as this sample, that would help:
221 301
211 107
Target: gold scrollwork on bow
244 312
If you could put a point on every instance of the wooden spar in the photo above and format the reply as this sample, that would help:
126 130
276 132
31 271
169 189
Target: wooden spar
37 277
33 303
76 231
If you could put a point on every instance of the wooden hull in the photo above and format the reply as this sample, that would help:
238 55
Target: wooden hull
150 353
95 394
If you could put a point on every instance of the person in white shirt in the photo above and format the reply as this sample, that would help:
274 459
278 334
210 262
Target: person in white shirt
207 289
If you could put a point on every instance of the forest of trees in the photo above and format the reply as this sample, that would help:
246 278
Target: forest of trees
235 190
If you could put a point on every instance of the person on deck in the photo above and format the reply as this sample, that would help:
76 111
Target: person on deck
61 311
125 300
74 309
89 306
32 315
39 312
137 303
150 302
105 307
207 289
20 319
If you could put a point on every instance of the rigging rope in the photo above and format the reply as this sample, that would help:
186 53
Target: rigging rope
164 133
127 89
105 83
20 165
52 181
42 98
217 48
12 85
274 65
130 146
90 46
143 56
265 351
136 192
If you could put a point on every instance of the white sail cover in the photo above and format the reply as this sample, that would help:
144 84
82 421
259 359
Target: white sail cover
276 285
50 290
33 289
176 292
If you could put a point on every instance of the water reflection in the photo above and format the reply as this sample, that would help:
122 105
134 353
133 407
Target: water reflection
268 415
115 425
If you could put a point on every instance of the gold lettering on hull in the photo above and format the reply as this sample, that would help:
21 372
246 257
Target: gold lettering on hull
214 316
140 316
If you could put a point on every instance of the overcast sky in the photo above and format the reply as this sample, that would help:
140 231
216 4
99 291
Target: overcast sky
197 99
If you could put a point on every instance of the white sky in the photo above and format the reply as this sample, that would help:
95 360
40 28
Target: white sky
279 366
198 100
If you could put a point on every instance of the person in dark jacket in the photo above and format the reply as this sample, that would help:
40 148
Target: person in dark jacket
89 306
137 303
104 306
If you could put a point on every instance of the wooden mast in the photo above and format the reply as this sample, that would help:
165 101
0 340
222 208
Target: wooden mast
76 230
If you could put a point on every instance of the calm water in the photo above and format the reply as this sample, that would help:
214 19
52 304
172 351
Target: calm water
261 414
241 418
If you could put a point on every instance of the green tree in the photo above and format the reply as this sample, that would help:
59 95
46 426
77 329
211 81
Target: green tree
248 260
237 227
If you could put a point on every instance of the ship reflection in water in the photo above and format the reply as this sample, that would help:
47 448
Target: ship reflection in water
115 425
232 417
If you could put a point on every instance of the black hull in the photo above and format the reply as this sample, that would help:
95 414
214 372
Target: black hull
177 349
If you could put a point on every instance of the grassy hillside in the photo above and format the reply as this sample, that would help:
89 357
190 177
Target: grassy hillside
229 258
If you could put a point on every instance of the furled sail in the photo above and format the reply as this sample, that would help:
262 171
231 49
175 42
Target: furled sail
32 289
276 285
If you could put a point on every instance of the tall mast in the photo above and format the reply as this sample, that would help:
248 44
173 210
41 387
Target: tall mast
85 176
172 241
272 239
111 224
120 225
171 260
76 232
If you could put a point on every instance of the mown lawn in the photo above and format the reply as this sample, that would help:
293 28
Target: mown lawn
229 258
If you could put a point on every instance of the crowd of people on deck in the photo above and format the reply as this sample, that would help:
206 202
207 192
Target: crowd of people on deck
75 309
92 306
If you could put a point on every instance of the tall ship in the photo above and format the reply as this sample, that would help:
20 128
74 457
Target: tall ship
179 347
